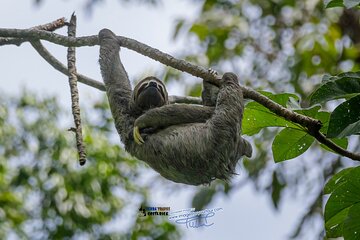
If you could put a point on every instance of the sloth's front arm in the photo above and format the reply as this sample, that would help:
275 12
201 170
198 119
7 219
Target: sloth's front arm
169 115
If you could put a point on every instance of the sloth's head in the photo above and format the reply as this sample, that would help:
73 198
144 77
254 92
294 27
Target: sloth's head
150 93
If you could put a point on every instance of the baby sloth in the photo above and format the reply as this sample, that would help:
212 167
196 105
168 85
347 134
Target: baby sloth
185 143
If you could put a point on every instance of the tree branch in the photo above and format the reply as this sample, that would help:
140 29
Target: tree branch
327 142
59 23
94 83
75 93
165 59
62 68
182 99
35 34
312 125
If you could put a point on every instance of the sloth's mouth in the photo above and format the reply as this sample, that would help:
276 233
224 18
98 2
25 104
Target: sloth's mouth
151 97
152 87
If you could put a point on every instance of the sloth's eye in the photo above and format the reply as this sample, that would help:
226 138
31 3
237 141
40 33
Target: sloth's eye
161 88
141 88
162 91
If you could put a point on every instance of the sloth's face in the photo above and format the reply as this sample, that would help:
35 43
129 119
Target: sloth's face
150 93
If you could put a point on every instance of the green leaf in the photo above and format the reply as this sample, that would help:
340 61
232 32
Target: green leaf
345 120
310 112
333 3
342 208
342 86
178 26
276 189
334 227
341 3
352 223
200 30
257 117
281 98
290 143
336 180
202 198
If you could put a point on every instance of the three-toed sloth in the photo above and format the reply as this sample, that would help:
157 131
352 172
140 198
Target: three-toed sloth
185 143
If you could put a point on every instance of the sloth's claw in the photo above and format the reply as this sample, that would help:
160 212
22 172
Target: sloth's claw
137 136
213 72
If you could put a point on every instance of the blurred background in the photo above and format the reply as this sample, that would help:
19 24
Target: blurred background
274 45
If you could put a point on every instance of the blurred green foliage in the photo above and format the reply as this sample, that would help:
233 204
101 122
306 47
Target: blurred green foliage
45 194
275 45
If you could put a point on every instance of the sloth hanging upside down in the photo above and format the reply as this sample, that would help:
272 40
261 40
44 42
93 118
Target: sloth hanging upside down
185 143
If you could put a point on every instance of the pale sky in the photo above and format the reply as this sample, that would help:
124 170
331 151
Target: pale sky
246 214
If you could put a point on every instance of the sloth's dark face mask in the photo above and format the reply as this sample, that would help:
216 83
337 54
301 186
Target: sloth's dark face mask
150 94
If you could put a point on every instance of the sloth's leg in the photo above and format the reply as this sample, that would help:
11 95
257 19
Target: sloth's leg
209 94
229 106
169 115
227 118
210 91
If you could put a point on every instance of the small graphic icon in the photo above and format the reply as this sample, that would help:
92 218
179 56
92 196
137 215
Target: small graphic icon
142 212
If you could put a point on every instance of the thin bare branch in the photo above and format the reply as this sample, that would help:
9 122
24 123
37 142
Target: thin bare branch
327 142
75 93
182 99
62 68
157 55
34 34
59 23
94 83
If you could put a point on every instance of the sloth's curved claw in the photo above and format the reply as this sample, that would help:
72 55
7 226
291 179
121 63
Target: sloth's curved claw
137 136
213 72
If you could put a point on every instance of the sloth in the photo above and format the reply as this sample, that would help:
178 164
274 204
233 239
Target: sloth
185 143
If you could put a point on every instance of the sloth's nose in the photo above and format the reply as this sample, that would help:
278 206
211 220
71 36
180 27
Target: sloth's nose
152 84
